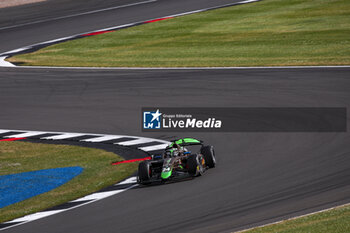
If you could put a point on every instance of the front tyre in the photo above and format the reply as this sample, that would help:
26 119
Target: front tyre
144 172
209 156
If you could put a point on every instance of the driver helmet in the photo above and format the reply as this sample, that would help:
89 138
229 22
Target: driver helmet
169 153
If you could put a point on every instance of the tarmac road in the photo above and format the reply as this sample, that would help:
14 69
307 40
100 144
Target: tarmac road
260 177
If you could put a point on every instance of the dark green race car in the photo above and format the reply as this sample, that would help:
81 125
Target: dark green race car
177 162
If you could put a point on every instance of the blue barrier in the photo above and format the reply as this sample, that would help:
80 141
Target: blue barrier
18 187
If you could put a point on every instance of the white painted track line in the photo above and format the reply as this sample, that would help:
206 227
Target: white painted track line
63 136
35 216
248 1
131 180
102 139
4 63
152 148
128 181
4 131
25 135
135 142
98 195
57 40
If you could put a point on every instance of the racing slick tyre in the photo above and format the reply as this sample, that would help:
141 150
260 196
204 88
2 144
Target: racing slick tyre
209 156
194 167
144 172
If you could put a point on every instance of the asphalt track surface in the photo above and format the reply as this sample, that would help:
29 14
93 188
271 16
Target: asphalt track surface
260 177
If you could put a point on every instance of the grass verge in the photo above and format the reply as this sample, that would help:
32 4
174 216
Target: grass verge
334 220
16 157
266 33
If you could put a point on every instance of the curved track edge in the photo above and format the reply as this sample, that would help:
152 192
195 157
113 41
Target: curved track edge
35 47
147 145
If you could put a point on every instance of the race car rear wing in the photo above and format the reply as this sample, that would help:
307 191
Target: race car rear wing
185 142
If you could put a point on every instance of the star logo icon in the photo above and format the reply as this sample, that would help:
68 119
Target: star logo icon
156 115
152 119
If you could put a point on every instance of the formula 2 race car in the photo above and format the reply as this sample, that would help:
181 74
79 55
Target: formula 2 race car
177 162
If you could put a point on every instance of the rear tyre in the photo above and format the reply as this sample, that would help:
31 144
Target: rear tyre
144 172
194 167
209 156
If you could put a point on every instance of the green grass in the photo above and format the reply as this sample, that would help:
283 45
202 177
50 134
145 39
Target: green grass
16 157
267 33
332 221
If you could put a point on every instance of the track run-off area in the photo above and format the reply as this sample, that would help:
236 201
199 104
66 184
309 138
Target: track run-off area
260 177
